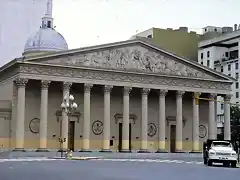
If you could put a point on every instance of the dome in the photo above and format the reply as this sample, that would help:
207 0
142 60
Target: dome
46 39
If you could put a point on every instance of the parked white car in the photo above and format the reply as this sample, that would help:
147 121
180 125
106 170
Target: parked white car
220 152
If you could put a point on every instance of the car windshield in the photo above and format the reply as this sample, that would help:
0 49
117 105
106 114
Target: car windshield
222 144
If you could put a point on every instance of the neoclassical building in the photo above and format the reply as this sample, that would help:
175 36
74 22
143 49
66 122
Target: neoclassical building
131 96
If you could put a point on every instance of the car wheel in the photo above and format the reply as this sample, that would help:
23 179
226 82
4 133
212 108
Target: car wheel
226 164
209 163
234 164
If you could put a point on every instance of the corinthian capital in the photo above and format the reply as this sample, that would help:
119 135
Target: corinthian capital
108 88
163 92
67 85
212 96
45 84
145 91
180 94
127 90
227 97
88 87
21 82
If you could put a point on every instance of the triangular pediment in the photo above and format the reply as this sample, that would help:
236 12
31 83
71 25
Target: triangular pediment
132 57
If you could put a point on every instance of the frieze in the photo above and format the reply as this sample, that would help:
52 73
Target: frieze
132 58
124 77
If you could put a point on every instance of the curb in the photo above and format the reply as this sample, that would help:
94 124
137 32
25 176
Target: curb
83 158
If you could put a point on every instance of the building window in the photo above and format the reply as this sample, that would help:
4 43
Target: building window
229 67
49 24
222 106
229 74
221 68
236 65
208 63
237 85
201 55
237 94
226 54
208 54
215 69
236 75
150 36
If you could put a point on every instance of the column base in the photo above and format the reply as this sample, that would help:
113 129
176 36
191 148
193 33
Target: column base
125 151
161 151
143 151
85 150
105 150
62 150
42 150
196 152
179 151
19 150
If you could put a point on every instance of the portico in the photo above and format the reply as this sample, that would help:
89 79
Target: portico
153 93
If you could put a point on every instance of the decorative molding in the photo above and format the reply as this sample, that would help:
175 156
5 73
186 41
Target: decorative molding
97 127
163 92
34 125
119 116
145 91
108 88
123 77
45 84
173 119
132 58
21 82
202 131
87 87
152 129
76 114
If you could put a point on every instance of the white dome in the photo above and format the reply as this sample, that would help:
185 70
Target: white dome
46 39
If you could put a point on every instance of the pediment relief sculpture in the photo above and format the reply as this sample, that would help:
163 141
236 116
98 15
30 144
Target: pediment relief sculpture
133 58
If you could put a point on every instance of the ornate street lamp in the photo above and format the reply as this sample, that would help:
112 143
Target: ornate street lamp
68 105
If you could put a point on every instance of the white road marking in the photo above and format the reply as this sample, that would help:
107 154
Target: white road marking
151 161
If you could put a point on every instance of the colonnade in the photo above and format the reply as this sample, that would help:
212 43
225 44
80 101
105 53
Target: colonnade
212 129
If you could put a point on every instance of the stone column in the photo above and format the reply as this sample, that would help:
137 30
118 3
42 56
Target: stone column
125 133
87 118
20 119
43 116
195 123
179 122
227 118
162 122
144 122
66 92
212 124
107 119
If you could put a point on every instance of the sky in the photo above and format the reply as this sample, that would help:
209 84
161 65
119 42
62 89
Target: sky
90 22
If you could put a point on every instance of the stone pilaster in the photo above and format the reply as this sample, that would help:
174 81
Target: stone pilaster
66 92
227 118
195 123
107 122
125 134
212 124
20 119
179 122
87 118
144 122
43 116
162 122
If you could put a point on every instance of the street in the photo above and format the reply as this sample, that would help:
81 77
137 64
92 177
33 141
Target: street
113 169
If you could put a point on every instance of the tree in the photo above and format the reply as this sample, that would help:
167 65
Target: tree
235 122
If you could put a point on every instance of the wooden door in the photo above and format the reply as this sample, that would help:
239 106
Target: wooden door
120 131
173 138
71 133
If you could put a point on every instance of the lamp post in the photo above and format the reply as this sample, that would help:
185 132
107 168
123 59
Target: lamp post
68 105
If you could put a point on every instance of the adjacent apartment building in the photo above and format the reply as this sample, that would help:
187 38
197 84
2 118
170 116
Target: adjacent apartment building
222 53
179 41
